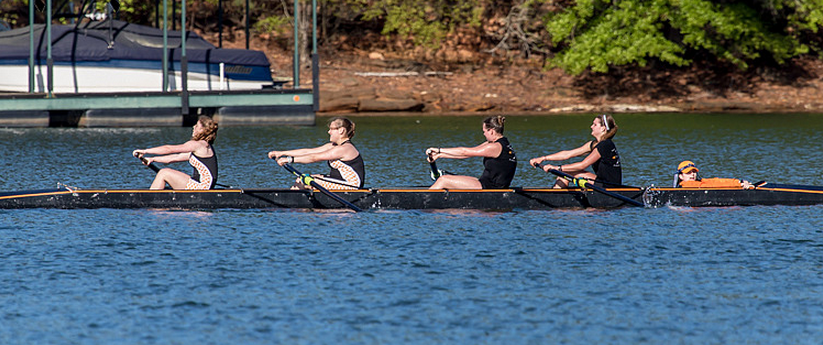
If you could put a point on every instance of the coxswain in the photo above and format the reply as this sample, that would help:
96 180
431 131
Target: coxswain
687 176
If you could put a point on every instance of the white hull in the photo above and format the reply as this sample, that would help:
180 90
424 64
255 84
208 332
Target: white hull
67 79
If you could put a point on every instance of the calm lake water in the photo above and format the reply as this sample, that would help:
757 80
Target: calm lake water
660 276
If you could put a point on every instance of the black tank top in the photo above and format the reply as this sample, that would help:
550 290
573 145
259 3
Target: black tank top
499 171
355 165
210 163
607 168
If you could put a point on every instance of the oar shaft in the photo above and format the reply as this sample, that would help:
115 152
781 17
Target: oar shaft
322 189
435 172
599 189
538 166
150 165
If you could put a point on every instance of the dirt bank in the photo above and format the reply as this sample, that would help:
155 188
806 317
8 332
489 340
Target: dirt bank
359 81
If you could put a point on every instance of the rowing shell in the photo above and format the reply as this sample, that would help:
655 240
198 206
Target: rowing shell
409 198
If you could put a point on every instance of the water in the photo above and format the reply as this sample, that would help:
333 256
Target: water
628 276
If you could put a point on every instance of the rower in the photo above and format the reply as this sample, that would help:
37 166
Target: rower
601 154
198 151
687 176
499 160
348 170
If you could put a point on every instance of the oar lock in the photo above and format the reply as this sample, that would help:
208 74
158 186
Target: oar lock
579 182
306 179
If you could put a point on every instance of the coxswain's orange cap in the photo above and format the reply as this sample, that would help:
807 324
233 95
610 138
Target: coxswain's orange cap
686 167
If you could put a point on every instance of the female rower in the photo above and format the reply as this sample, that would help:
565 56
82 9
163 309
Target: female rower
347 168
198 151
601 155
499 160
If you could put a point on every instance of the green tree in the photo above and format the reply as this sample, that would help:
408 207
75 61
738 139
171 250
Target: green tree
597 35
425 22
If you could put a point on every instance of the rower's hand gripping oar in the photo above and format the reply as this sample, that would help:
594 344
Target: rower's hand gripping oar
583 183
157 170
435 173
309 180
146 163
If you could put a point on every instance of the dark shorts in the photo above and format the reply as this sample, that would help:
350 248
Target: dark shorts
490 185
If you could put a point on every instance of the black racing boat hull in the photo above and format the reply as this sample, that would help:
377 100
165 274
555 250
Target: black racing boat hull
414 198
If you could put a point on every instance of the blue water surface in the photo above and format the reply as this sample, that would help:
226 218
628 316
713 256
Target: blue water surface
708 276
751 275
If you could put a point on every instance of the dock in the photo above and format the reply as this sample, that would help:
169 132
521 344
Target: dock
157 109
239 97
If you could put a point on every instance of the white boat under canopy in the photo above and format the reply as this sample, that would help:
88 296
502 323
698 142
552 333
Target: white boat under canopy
115 56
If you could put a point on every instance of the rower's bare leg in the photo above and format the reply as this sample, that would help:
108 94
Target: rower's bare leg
298 183
560 183
456 182
586 175
563 183
175 179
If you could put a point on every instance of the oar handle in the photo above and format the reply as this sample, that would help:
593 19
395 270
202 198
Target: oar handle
146 163
435 173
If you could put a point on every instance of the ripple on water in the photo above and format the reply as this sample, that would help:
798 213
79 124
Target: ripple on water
712 275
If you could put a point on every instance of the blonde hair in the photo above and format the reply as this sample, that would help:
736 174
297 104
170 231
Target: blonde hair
209 132
495 122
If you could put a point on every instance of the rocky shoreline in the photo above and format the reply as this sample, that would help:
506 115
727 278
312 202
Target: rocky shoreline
369 83
356 81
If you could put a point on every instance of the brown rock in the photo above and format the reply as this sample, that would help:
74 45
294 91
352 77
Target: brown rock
395 93
345 104
388 104
349 82
354 92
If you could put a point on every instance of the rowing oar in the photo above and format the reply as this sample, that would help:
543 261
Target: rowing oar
146 163
309 180
612 184
586 184
157 170
435 173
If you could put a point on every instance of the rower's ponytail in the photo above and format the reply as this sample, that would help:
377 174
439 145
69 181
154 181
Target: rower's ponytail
610 125
209 132
495 122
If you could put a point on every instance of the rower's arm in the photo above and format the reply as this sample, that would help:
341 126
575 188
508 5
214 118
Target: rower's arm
301 152
486 149
172 158
344 152
187 147
565 154
585 163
